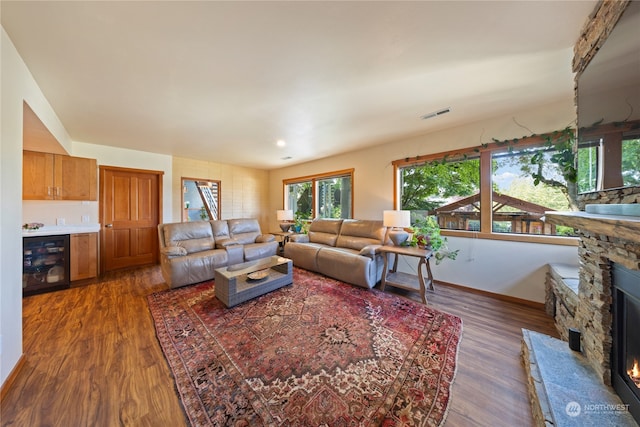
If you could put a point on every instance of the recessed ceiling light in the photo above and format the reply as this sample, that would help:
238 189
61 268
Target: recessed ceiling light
436 113
281 143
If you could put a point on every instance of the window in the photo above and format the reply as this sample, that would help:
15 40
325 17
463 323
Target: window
526 183
200 199
609 156
631 161
320 196
588 154
300 198
334 197
448 189
496 189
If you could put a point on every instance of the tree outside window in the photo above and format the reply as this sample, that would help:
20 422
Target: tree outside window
427 187
327 195
522 180
299 199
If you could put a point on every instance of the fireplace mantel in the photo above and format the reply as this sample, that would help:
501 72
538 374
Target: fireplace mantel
619 226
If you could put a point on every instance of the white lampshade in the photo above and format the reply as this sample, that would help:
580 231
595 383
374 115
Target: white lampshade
284 215
396 218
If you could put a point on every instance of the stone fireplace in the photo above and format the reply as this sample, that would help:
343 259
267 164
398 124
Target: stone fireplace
625 354
565 384
606 240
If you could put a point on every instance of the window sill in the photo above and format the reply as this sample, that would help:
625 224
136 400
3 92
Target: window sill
524 238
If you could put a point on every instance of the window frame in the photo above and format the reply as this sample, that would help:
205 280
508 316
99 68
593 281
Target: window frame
609 164
314 184
183 186
485 152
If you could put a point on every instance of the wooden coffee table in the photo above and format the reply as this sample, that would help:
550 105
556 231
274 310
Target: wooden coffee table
241 282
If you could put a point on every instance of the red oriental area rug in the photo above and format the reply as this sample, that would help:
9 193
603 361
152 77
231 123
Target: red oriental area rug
317 353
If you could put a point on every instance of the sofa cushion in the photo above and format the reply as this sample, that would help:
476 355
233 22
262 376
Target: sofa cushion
220 229
244 230
346 265
356 234
193 236
253 251
194 268
324 231
304 255
265 238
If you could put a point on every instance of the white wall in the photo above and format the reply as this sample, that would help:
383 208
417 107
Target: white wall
244 190
125 158
515 269
509 268
16 85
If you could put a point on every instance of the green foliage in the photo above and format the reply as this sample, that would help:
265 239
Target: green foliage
426 187
203 214
301 222
587 169
556 159
426 232
631 162
542 194
565 155
301 194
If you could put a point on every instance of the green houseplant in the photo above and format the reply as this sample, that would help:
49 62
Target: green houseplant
426 234
301 223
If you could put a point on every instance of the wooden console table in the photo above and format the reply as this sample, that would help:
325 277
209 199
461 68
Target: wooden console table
406 281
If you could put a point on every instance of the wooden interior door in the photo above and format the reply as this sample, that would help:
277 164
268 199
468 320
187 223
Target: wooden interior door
130 201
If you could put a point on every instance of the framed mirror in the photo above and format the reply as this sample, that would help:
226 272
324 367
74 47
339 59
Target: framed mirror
609 110
200 199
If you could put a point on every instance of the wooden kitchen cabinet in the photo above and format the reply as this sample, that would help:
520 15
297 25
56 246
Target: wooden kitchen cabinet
47 176
83 248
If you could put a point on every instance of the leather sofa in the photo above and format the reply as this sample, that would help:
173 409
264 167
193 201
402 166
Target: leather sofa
346 250
190 252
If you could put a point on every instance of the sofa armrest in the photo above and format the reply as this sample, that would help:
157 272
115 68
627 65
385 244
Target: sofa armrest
173 251
235 253
223 243
370 251
299 238
264 238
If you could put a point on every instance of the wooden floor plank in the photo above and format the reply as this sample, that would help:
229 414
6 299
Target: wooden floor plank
92 358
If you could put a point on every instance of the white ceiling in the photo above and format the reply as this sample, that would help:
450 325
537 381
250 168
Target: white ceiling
223 81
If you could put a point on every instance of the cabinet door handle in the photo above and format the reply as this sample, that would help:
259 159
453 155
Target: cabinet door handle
108 225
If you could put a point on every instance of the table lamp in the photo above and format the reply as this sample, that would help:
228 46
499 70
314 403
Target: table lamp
397 220
285 217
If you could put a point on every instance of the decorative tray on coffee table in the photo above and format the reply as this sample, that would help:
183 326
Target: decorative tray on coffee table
259 275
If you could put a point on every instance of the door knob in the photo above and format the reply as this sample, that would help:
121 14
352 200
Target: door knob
109 225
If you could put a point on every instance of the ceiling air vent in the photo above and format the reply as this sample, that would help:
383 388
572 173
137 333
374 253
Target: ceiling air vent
436 113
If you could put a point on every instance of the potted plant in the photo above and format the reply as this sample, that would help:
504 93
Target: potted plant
426 234
297 222
203 214
301 223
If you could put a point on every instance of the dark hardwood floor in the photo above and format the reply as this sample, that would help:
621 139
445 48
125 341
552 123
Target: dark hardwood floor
92 358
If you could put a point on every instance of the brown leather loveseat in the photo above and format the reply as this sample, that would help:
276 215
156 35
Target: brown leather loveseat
191 251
